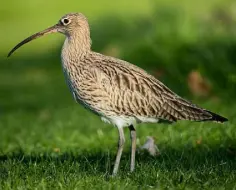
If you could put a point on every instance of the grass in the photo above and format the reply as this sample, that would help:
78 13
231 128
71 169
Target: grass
57 148
50 142
47 141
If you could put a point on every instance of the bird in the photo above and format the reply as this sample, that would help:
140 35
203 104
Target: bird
119 92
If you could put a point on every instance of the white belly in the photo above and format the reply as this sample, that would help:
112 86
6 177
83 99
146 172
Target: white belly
123 121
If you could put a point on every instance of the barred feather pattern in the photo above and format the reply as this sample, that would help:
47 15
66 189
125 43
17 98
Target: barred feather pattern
111 87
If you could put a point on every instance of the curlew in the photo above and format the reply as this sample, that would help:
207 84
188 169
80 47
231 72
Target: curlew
119 92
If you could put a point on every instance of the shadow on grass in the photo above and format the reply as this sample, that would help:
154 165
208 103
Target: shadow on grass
100 162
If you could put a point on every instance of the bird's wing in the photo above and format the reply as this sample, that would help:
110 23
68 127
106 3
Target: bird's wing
131 91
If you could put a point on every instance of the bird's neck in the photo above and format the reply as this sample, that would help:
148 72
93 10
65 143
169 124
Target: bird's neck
76 47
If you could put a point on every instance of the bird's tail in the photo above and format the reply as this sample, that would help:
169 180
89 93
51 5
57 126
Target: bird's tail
185 110
216 117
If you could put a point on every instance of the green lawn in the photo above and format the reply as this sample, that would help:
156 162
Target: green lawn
47 141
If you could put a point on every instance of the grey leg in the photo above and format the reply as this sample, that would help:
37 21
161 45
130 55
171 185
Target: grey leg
119 151
133 147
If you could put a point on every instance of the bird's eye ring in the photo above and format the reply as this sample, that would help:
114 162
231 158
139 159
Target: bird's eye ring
65 21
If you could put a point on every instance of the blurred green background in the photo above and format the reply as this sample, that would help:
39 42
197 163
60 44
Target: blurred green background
188 45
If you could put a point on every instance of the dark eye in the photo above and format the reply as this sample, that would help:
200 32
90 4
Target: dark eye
65 21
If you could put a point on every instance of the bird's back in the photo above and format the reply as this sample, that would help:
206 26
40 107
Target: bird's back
114 88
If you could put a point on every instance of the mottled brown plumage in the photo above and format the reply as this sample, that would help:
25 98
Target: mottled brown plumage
121 93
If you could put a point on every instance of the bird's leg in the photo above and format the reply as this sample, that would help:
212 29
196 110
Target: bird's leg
133 147
119 151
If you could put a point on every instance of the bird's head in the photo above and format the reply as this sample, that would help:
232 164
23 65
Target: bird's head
72 24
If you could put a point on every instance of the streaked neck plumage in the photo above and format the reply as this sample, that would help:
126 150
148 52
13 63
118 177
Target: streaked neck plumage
77 45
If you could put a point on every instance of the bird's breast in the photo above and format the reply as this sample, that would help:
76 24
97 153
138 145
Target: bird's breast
72 77
75 73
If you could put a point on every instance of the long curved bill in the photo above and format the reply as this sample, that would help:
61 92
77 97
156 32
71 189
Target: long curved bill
49 30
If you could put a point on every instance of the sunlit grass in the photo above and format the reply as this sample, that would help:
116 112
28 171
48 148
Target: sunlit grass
47 141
